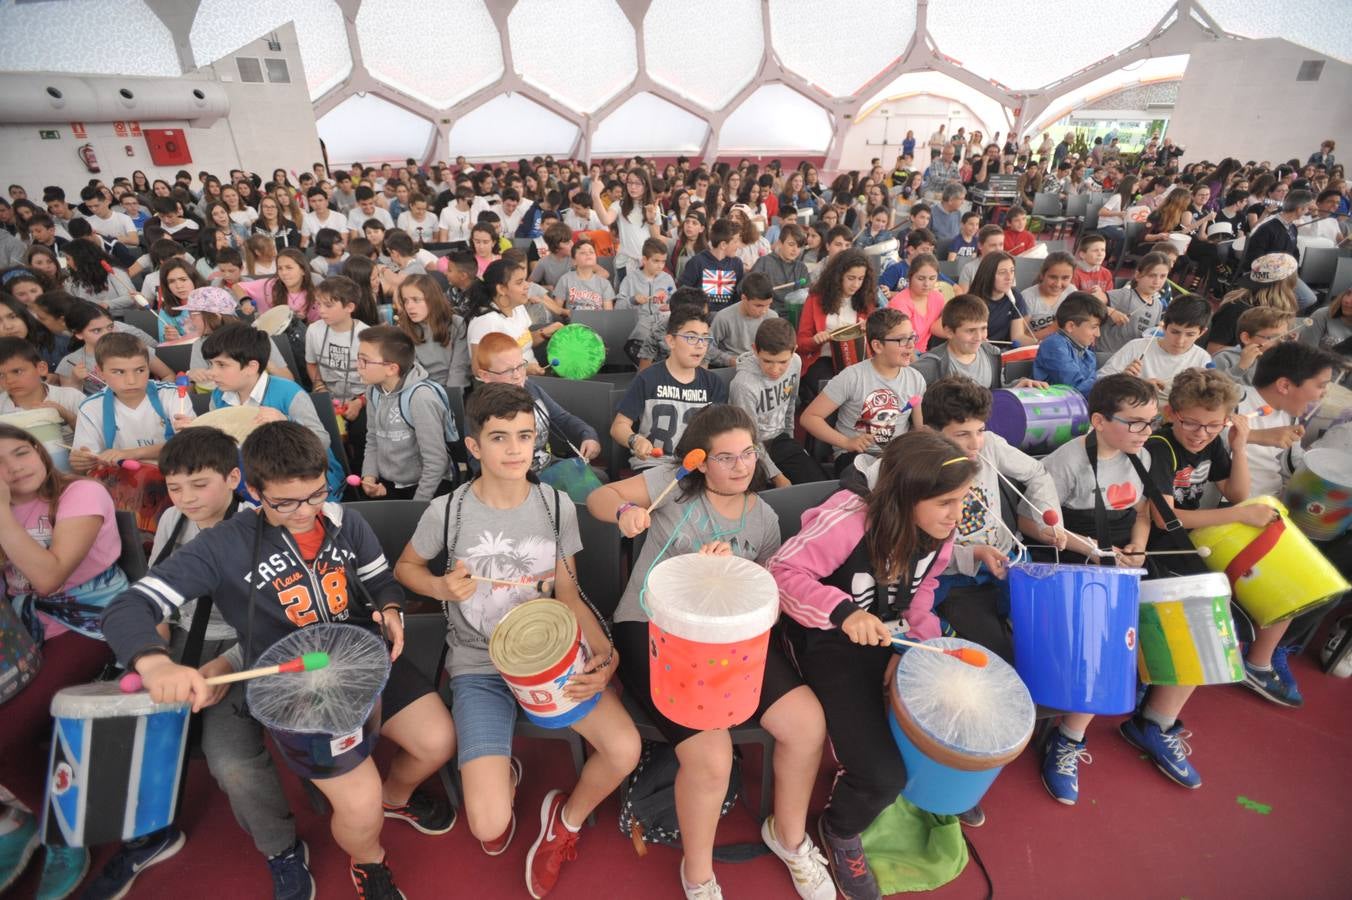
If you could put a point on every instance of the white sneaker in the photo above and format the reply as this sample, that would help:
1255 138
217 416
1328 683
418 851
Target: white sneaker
709 890
811 877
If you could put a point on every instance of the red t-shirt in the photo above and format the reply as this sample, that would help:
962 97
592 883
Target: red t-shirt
1087 281
1017 242
310 541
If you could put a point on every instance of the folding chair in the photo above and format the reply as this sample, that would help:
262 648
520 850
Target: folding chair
789 503
591 401
1025 272
1319 265
614 326
1047 210
178 357
132 562
329 419
1342 276
143 319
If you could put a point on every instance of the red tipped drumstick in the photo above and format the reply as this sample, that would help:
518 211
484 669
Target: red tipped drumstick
131 682
655 452
969 655
691 462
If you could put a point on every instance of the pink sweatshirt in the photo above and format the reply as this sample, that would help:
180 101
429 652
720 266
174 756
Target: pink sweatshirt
829 536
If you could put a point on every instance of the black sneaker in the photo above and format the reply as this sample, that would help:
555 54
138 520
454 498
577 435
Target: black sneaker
373 881
291 876
426 811
849 867
974 817
135 857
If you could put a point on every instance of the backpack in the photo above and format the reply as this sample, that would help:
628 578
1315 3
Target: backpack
451 434
110 413
648 804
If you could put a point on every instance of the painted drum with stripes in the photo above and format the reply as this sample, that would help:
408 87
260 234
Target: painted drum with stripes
537 648
1038 420
115 765
1186 633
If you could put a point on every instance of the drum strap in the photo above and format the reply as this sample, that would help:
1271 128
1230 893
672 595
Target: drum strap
1259 547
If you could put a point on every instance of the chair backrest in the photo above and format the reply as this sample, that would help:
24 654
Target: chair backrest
789 503
455 399
1101 357
1319 265
178 357
591 401
1013 371
1134 234
614 326
393 522
1046 204
600 565
289 357
143 319
132 562
324 408
201 402
950 268
1025 272
1077 205
425 643
1342 277
1091 218
725 374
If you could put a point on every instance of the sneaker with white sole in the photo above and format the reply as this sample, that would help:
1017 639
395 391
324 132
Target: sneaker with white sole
849 867
807 866
17 845
137 855
1061 767
63 868
291 875
1168 750
556 845
709 890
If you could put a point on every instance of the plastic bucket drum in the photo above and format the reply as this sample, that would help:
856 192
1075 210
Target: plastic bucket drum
1186 633
538 647
1019 354
1275 572
1038 420
1075 635
1333 410
956 725
708 635
114 767
47 427
1319 494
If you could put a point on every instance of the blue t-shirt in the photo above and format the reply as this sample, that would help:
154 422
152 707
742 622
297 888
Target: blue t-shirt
1002 315
660 406
965 249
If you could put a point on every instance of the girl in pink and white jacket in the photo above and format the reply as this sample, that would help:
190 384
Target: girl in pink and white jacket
862 570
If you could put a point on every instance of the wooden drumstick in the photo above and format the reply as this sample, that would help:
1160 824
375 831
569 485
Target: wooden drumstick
309 662
514 582
969 655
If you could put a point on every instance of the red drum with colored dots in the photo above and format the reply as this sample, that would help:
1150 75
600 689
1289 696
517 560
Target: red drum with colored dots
708 634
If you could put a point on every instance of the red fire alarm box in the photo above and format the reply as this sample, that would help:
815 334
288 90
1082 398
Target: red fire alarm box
168 146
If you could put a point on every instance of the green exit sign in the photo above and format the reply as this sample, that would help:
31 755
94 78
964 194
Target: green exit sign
50 134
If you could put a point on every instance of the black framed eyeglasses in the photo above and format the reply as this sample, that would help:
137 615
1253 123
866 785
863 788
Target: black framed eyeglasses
290 504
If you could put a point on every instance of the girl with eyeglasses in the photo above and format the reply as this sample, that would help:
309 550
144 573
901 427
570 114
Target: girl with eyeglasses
716 511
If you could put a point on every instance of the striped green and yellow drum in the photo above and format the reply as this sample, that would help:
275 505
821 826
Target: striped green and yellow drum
1186 633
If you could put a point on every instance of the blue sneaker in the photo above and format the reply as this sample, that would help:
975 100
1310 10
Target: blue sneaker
135 857
17 845
1272 686
1281 664
291 878
1061 767
1168 750
63 868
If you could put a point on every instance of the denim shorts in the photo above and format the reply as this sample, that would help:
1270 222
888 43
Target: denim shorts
484 709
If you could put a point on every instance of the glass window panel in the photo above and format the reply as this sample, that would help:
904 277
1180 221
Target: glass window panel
95 37
365 128
581 52
452 52
511 126
840 46
775 118
1038 45
223 26
647 124
1158 68
708 65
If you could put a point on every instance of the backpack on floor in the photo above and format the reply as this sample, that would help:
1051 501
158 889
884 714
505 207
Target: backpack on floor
648 804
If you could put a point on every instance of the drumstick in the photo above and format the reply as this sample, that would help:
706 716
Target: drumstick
1300 323
1032 336
969 655
182 382
1155 332
539 585
1203 552
309 662
999 521
1049 516
788 284
688 464
142 302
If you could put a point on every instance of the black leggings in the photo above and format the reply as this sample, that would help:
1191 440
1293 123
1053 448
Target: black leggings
848 680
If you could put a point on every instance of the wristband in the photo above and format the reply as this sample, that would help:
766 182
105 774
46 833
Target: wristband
624 508
632 437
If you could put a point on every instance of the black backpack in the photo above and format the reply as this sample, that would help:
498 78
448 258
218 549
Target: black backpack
648 804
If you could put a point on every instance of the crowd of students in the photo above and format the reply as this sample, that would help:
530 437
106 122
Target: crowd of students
406 285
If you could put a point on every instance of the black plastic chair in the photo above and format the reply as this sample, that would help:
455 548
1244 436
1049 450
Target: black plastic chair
594 403
614 326
178 357
324 408
132 562
298 372
143 319
789 503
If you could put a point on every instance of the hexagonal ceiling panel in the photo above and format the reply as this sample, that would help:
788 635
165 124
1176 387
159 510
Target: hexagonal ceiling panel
582 52
366 128
645 123
418 60
775 118
96 37
1310 23
223 26
707 65
508 126
1042 44
825 43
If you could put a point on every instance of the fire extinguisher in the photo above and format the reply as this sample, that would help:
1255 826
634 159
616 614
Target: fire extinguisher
87 157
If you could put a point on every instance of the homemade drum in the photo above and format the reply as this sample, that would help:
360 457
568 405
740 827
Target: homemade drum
956 725
324 721
1038 420
538 647
46 425
576 351
1276 573
1019 354
1075 635
1319 494
114 767
1186 633
20 658
708 635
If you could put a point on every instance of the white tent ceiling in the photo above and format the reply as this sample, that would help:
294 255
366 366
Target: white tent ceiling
496 78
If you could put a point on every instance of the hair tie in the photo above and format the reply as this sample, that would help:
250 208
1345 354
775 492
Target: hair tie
14 273
956 459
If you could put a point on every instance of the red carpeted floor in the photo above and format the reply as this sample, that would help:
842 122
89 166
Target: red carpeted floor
1133 835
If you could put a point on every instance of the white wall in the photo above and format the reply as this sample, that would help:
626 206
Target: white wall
269 125
1241 98
921 113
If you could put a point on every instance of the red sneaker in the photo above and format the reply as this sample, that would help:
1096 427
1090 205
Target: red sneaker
498 845
555 846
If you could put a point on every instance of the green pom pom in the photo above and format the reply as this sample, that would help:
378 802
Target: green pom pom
576 352
312 661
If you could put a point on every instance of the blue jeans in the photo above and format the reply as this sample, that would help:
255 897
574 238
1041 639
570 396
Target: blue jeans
1305 297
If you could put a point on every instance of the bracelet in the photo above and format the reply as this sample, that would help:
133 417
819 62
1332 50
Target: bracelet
624 508
633 436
